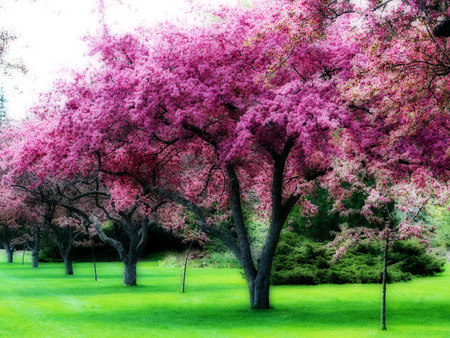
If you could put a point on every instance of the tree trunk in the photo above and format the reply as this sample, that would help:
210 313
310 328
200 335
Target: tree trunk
93 259
384 282
9 254
185 267
68 264
129 272
35 252
259 292
36 246
35 257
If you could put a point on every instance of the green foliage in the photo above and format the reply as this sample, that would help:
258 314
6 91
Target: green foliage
216 260
169 261
440 217
215 245
199 260
300 261
414 259
49 252
321 226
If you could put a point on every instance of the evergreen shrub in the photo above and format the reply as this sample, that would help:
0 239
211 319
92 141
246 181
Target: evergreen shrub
300 261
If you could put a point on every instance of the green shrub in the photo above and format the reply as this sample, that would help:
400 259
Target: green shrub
198 259
216 260
169 261
50 253
415 260
299 261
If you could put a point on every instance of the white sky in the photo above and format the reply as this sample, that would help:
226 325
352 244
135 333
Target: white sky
49 37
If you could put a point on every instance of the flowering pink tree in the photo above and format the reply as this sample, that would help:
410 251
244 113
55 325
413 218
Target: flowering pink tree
78 205
67 229
37 229
399 90
59 219
205 118
14 213
256 103
391 208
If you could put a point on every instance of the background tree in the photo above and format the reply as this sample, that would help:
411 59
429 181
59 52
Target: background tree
399 90
67 229
391 209
37 230
79 202
14 212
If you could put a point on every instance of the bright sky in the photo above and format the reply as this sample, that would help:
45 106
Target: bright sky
49 37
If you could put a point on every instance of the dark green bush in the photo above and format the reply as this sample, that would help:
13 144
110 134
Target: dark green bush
299 261
49 253
414 259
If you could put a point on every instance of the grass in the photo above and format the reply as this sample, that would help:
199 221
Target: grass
43 302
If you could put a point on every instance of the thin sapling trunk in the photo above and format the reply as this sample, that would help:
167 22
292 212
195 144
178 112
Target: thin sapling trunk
93 259
185 267
384 282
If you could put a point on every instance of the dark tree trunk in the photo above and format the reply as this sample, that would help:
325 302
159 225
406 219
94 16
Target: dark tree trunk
35 251
35 256
260 285
66 253
258 278
138 238
9 254
93 259
9 249
68 263
183 282
384 282
129 272
259 292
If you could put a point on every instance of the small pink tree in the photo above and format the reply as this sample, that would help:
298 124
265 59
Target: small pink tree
80 205
37 229
13 213
67 229
391 208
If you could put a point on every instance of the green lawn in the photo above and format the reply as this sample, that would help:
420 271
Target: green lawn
43 302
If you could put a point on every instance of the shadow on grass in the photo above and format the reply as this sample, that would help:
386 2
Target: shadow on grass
196 316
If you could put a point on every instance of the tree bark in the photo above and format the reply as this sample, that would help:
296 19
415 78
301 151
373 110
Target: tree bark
68 263
260 286
183 282
9 254
129 272
259 292
137 238
35 256
258 278
66 253
383 292
35 250
93 259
